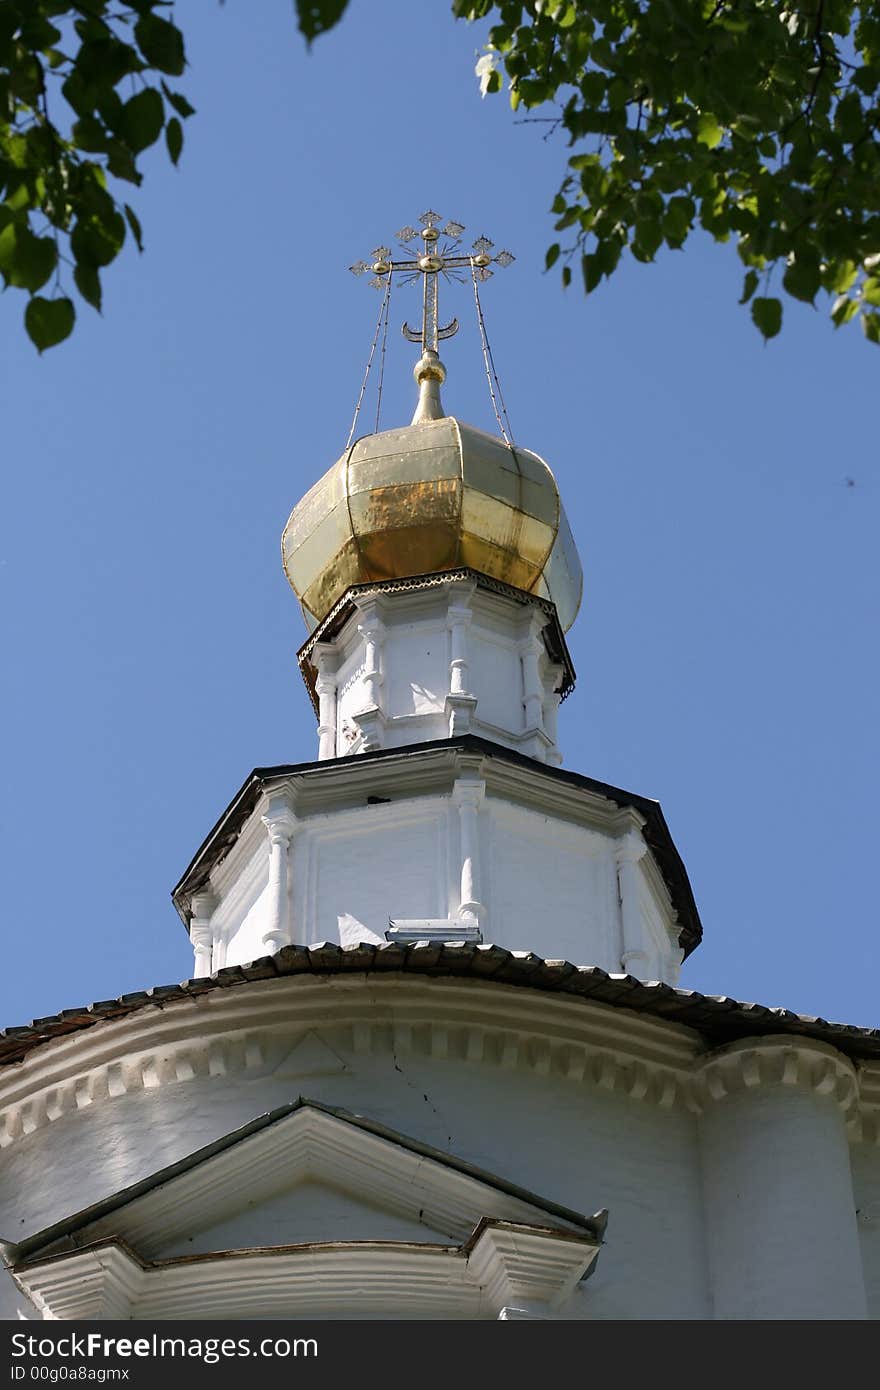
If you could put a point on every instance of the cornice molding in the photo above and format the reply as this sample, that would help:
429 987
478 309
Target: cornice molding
507 1008
248 1032
381 590
501 1261
324 786
373 1166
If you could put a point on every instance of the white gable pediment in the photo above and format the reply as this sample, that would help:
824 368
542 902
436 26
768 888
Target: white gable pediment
262 1167
306 1212
325 1209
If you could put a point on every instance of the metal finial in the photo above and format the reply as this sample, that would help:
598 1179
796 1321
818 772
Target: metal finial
440 254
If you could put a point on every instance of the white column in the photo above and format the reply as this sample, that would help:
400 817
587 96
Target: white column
530 649
325 689
634 958
280 823
777 1185
370 718
458 620
552 679
372 630
460 703
201 932
468 796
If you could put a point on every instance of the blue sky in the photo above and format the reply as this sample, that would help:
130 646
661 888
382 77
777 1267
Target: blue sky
726 649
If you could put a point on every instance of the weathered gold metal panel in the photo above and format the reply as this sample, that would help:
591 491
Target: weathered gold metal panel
407 439
316 548
433 496
515 476
565 579
386 508
387 470
506 527
327 493
410 550
341 571
480 554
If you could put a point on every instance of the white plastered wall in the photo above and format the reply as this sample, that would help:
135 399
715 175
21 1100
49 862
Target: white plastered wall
729 1198
866 1188
584 1149
548 885
396 656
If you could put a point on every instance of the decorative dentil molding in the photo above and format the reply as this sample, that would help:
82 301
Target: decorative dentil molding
248 1031
756 1064
245 1033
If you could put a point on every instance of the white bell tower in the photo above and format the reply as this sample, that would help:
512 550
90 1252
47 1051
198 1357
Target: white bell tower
438 575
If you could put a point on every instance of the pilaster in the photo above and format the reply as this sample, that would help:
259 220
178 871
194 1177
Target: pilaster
437 656
370 718
201 932
780 1213
630 849
553 678
324 656
530 651
460 702
280 823
468 795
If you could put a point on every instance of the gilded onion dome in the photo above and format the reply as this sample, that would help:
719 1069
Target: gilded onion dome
436 495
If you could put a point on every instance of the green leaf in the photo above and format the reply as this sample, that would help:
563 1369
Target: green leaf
767 316
871 327
142 119
89 134
842 276
133 221
802 279
591 267
871 290
48 321
161 44
121 162
709 132
843 309
174 138
26 261
677 220
96 241
104 61
647 240
179 102
317 16
552 255
88 282
750 284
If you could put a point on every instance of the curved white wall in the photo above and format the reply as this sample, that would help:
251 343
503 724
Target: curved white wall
780 1212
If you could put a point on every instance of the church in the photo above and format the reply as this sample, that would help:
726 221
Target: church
434 1061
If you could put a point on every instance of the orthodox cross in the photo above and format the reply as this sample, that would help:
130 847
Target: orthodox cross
440 254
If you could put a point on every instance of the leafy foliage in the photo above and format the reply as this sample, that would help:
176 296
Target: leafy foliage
753 119
82 96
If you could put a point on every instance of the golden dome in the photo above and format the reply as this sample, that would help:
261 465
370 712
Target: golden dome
435 495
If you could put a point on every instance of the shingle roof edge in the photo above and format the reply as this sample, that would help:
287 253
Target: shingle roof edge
717 1018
